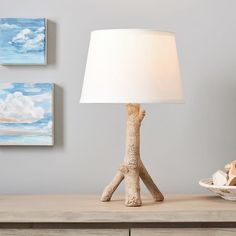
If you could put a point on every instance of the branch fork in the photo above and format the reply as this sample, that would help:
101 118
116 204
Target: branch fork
132 168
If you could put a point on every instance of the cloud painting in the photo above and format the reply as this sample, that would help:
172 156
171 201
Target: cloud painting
26 114
23 41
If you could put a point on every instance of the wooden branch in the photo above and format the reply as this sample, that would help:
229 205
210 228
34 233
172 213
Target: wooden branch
151 186
132 155
132 167
111 188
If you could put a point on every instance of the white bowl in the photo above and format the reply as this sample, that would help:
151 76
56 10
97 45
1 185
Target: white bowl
226 192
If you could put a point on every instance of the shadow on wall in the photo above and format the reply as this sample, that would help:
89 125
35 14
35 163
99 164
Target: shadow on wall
59 116
51 42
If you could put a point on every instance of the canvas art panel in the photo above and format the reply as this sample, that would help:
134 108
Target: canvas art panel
23 41
26 114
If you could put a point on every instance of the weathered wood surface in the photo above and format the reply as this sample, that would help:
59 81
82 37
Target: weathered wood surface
132 168
63 232
184 232
88 208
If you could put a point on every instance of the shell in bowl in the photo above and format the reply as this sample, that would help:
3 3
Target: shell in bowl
226 192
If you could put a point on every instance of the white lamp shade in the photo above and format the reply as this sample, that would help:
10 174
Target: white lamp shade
132 66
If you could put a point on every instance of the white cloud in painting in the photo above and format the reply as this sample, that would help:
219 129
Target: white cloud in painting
40 29
5 86
35 44
7 26
32 89
18 108
29 41
48 127
22 36
42 97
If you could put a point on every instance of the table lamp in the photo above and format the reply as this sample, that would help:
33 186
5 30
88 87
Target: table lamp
132 66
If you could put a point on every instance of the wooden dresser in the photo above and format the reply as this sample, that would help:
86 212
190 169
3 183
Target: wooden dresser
72 215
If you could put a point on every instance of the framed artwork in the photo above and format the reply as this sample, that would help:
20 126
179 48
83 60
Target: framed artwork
23 41
26 114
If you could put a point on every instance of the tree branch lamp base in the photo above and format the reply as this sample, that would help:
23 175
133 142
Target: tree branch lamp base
132 168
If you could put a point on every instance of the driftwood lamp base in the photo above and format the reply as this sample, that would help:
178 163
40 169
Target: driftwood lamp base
132 167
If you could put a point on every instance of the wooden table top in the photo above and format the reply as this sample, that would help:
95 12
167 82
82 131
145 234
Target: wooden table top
87 208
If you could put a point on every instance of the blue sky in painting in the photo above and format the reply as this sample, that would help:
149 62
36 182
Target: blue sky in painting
26 113
22 41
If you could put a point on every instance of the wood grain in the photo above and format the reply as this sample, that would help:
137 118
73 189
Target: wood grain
63 232
183 232
88 208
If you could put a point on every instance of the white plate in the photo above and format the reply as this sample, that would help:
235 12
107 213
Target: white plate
226 192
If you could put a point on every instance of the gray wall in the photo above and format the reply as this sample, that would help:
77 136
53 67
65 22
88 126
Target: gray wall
180 143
